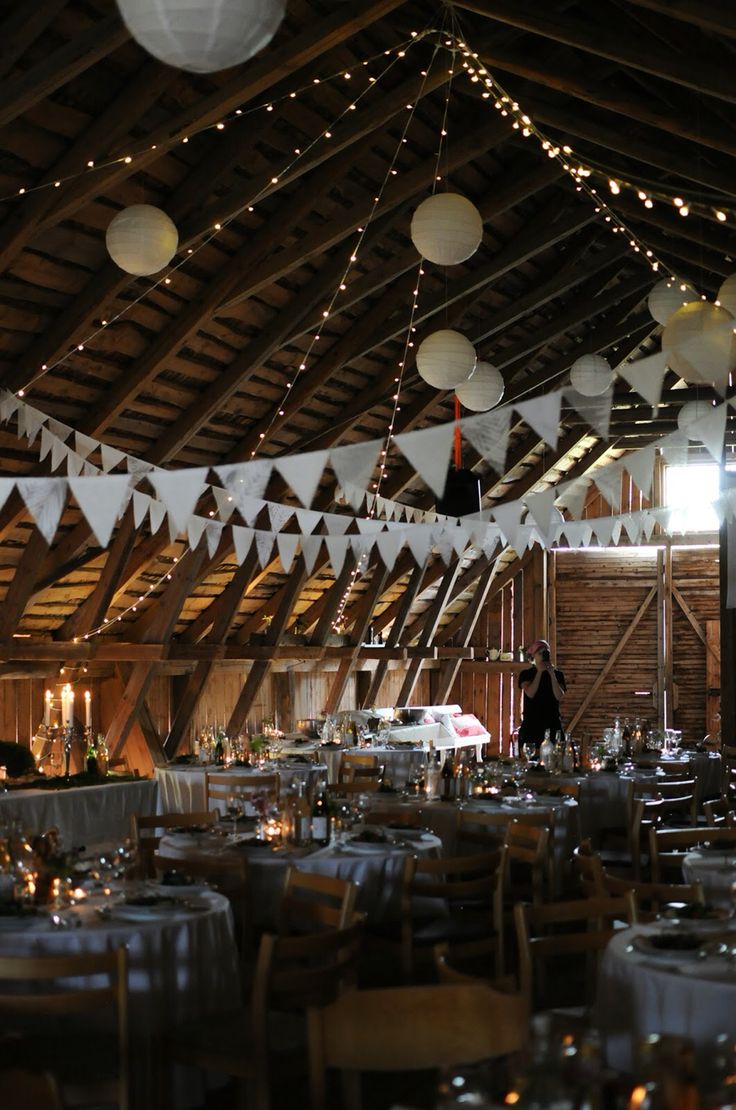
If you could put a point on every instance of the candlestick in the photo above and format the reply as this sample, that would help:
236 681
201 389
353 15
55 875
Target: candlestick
47 709
87 709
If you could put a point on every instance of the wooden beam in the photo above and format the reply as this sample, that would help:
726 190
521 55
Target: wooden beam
363 618
22 27
449 669
716 16
91 612
431 623
333 596
408 597
694 622
20 589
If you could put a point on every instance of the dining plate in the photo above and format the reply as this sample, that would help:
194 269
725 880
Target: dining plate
680 945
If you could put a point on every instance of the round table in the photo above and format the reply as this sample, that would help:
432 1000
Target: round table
377 868
642 992
183 965
715 869
182 789
399 762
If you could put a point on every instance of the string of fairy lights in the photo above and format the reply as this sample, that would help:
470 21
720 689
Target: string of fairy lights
585 176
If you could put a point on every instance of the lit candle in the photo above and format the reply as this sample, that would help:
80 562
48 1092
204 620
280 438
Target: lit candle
47 708
70 706
63 706
87 709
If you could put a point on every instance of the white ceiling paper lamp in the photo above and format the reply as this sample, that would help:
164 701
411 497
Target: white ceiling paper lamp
445 359
727 295
690 413
591 375
666 297
202 36
700 344
447 229
142 239
483 390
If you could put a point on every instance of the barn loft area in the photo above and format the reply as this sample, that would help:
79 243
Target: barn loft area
597 142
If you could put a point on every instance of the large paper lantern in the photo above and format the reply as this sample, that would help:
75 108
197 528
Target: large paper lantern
445 359
690 413
483 389
666 297
700 345
202 36
447 228
142 239
727 295
591 375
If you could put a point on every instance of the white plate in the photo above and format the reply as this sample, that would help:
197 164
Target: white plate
644 945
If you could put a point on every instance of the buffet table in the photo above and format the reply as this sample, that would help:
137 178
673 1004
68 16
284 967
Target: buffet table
182 788
84 815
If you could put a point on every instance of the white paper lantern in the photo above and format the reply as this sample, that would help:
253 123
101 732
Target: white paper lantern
591 375
202 36
447 228
483 389
700 345
691 412
142 239
666 297
445 359
727 295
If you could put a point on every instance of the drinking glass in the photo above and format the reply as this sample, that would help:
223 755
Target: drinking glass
234 807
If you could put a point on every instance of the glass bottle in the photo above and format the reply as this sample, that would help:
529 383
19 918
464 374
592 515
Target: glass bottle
448 779
92 767
545 1088
301 817
219 750
103 755
320 817
546 751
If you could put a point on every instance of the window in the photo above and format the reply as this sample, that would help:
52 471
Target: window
690 490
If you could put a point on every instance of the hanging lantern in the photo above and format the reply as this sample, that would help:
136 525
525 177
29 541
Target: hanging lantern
591 375
690 413
142 239
482 390
727 295
447 229
666 297
202 36
445 359
700 345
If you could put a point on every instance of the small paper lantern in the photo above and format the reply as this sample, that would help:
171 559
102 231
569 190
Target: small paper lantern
202 36
591 375
447 228
666 297
691 412
445 359
700 345
727 295
483 389
142 239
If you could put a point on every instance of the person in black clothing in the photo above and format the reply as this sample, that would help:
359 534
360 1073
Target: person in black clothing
543 687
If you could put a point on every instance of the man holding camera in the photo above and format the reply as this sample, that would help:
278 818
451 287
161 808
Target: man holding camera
543 688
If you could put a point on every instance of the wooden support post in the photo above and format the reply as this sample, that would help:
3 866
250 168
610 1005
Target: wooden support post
21 586
671 693
727 555
333 597
552 602
409 596
431 623
92 611
360 627
451 667
661 659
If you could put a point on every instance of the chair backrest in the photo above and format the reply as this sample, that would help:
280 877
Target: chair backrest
719 811
465 963
220 785
650 897
412 1028
646 814
227 875
312 901
146 845
668 847
675 768
351 761
680 796
587 924
408 816
27 1090
347 788
529 846
49 996
589 868
487 828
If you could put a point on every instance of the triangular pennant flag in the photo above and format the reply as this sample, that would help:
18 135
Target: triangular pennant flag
587 532
616 531
443 542
428 451
365 527
6 488
286 542
179 490
603 528
303 473
101 500
710 430
674 448
137 468
278 515
489 434
110 457
90 470
213 532
59 452
361 545
308 520
389 545
354 465
632 527
250 507
310 546
540 507
720 509
573 530
543 415
646 376
648 525
710 353
195 530
337 524
74 463
337 547
242 540
225 503
9 404
157 513
264 547
84 445
249 478
508 519
141 504
30 422
47 442
640 465
573 495
355 495
608 480
44 498
419 541
460 539
61 431
526 536
596 411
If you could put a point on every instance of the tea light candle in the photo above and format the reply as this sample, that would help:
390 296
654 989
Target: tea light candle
87 709
47 709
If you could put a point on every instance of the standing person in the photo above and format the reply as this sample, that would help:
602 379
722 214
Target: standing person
543 687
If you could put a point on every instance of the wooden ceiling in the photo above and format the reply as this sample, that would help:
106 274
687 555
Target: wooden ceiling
194 372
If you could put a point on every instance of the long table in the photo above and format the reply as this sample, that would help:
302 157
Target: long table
84 815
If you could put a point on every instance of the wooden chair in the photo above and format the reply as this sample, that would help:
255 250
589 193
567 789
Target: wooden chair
484 828
347 789
675 768
668 847
292 974
407 816
454 967
589 868
229 876
311 902
146 845
650 897
719 811
587 925
29 1090
410 1029
680 800
220 785
528 847
350 762
88 1066
647 813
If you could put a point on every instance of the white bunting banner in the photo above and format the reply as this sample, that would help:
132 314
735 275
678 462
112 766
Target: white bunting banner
419 541
308 520
9 405
102 500
250 479
389 545
61 431
542 414
362 545
250 508
366 527
110 456
674 448
354 465
286 543
31 422
180 491
710 430
278 515
45 499
264 547
337 549
508 519
573 495
488 433
138 468
310 546
444 545
59 452
640 465
608 480
225 503
195 530
596 411
7 486
603 529
303 473
540 506
646 376
85 445
242 542
213 532
157 514
47 442
335 523
428 451
74 464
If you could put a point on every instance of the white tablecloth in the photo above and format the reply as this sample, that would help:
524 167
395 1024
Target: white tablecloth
640 993
399 762
716 870
377 868
84 815
182 789
181 967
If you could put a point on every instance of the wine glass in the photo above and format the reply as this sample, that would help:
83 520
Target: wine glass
234 806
